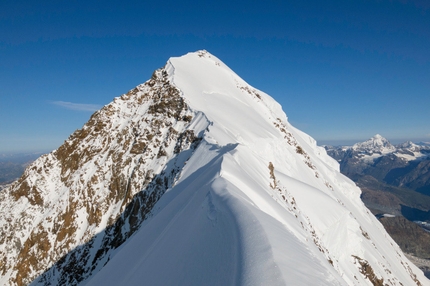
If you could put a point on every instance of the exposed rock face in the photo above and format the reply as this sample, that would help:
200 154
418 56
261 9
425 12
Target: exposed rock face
97 188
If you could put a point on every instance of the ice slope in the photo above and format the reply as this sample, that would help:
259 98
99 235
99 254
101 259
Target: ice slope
258 203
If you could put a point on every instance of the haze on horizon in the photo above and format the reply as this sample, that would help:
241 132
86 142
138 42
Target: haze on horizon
343 71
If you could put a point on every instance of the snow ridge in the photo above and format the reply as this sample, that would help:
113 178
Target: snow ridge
264 204
222 190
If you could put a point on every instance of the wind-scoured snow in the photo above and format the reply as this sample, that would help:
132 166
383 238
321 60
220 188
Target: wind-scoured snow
258 202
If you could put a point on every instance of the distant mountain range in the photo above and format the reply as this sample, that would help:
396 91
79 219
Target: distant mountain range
12 165
404 165
394 179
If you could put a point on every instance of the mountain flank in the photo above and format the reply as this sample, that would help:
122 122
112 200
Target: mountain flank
394 180
194 178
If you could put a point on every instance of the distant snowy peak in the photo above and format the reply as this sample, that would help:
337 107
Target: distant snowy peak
376 144
409 146
424 144
381 145
377 147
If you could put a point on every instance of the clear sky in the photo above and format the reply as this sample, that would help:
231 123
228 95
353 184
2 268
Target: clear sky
343 70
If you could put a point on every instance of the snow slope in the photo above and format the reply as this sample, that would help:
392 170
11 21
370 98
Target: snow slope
258 203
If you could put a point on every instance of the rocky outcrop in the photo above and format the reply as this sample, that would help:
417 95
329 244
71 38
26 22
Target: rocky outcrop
72 207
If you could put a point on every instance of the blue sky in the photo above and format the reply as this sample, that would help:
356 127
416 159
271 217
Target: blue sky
342 70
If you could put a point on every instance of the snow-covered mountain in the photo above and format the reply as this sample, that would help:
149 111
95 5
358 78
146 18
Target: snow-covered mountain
403 165
193 178
376 144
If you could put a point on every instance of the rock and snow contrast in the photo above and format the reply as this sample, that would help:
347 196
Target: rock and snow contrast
192 178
